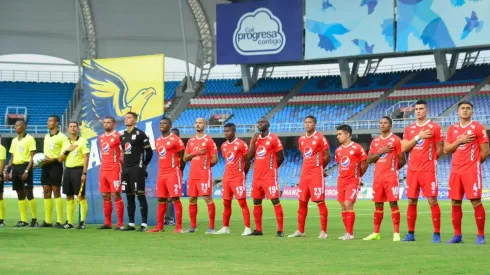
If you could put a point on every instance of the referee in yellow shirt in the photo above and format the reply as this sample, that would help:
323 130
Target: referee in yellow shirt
3 156
22 150
75 154
52 173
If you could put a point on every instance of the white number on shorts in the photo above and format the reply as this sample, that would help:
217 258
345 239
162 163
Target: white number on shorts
317 191
354 192
239 190
272 190
204 187
433 185
476 187
116 184
176 188
395 191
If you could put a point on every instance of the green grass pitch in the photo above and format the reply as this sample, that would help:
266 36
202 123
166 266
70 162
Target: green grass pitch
52 251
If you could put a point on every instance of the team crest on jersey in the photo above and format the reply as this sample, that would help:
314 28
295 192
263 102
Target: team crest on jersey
235 148
51 145
127 147
112 140
203 144
308 152
230 156
75 152
267 143
168 142
351 152
21 149
261 151
162 151
105 147
345 161
314 142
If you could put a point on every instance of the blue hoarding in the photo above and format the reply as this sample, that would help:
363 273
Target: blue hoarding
259 32
429 24
348 28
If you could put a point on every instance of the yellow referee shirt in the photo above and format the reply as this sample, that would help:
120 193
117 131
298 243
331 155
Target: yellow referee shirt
3 153
75 157
21 149
53 145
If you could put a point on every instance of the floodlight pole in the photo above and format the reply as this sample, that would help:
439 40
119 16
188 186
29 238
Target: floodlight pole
189 82
78 39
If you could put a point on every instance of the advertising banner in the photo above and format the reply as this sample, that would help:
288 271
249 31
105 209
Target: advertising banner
344 28
114 87
259 32
429 24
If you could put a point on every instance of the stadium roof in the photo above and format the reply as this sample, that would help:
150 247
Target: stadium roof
123 27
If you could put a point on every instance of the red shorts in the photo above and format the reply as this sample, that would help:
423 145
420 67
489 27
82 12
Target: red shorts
427 181
311 187
387 190
169 185
234 187
199 188
465 184
109 182
347 192
268 188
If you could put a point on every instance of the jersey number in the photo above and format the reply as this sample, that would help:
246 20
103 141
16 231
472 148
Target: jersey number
204 187
239 190
317 191
354 193
395 191
176 189
272 190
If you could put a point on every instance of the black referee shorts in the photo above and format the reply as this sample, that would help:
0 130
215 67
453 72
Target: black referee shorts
72 181
133 181
17 182
52 174
1 185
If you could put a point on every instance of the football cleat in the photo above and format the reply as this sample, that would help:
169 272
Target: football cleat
256 233
247 231
156 229
409 238
480 239
129 228
143 228
436 238
280 234
210 231
21 224
45 224
224 230
372 237
104 226
68 226
296 234
396 237
347 237
323 235
81 225
58 225
190 230
456 239
34 223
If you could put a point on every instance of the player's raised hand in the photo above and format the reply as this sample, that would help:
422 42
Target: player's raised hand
425 134
72 147
386 149
466 138
203 151
255 137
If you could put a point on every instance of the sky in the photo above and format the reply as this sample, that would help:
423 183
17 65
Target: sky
175 69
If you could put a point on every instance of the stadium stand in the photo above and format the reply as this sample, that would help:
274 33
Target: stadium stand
170 87
223 87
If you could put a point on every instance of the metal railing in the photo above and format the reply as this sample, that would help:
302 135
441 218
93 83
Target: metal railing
331 125
31 129
38 76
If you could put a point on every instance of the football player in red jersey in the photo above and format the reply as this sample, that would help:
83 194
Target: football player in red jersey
423 140
386 154
352 160
170 152
267 150
201 151
316 155
110 173
468 142
234 152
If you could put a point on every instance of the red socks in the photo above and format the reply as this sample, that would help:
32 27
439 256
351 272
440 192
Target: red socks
411 217
226 213
178 214
245 212
344 220
258 217
436 217
457 217
302 213
480 216
212 214
108 212
120 212
395 217
279 217
193 214
378 218
322 208
162 207
350 219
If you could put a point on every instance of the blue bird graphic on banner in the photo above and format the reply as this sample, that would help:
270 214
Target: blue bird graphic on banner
371 5
326 34
472 23
363 46
106 94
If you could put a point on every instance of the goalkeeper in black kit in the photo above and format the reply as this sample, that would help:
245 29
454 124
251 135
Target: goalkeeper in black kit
137 154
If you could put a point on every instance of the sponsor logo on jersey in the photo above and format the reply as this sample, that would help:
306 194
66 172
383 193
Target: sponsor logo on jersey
420 142
261 151
127 147
345 161
162 151
230 156
105 147
308 152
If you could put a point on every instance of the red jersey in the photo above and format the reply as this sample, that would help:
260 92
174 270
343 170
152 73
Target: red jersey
110 150
168 149
312 148
234 155
265 165
201 164
387 165
349 159
423 156
466 159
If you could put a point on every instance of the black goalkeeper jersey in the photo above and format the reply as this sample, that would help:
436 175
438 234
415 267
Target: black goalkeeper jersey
137 149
